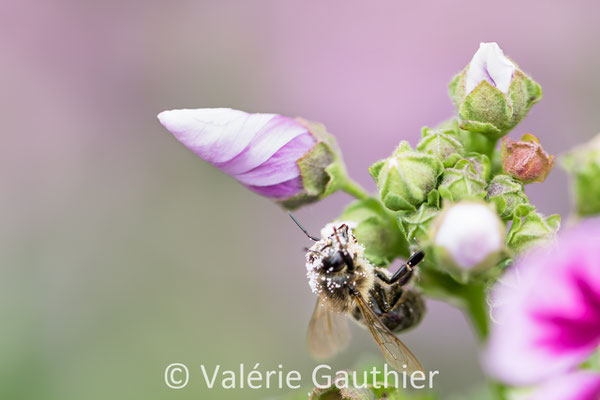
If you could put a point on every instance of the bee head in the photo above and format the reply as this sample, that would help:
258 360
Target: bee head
336 261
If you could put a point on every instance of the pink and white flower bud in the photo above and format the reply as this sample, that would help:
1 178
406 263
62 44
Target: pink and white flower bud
490 64
261 151
468 236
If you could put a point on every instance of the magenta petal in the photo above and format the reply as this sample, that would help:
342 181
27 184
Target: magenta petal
282 166
215 134
281 190
552 321
268 140
580 385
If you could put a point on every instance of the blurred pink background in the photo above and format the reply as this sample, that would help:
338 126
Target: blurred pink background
122 252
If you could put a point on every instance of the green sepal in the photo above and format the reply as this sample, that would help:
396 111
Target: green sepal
485 110
530 228
480 163
376 229
456 88
405 178
523 92
583 166
322 168
434 199
507 194
416 225
442 144
489 111
472 142
463 181
375 168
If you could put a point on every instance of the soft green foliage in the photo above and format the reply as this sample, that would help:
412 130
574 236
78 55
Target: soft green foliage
583 164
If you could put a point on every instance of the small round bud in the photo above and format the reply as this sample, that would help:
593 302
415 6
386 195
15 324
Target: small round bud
468 237
583 165
464 180
506 193
492 95
525 159
405 178
442 144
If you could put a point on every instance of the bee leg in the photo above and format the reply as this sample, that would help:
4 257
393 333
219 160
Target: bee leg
401 277
405 272
396 295
384 302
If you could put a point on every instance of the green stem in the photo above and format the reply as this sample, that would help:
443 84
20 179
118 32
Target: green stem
474 298
475 305
480 143
353 189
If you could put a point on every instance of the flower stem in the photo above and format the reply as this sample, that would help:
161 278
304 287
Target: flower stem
353 189
480 143
475 306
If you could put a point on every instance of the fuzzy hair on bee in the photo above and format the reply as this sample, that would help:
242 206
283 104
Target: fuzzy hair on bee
328 274
347 284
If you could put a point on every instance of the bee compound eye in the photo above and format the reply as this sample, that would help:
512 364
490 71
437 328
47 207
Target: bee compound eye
334 263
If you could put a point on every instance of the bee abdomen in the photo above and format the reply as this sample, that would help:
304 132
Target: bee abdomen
406 313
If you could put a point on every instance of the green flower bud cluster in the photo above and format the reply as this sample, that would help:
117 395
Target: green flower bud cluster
417 185
583 165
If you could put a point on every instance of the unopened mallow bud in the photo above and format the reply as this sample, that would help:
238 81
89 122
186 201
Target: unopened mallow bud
525 159
406 177
492 95
468 237
506 193
583 165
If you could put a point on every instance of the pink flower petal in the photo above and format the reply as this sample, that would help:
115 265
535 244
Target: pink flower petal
269 139
260 150
215 134
281 190
580 385
278 168
552 323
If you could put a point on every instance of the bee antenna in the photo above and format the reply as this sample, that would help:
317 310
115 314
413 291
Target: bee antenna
303 229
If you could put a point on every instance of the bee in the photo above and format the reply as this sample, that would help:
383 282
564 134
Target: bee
347 284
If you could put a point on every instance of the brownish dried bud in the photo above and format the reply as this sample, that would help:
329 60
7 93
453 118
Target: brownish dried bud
525 159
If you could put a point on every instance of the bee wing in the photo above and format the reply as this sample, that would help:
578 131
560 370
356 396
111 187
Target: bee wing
328 332
395 352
